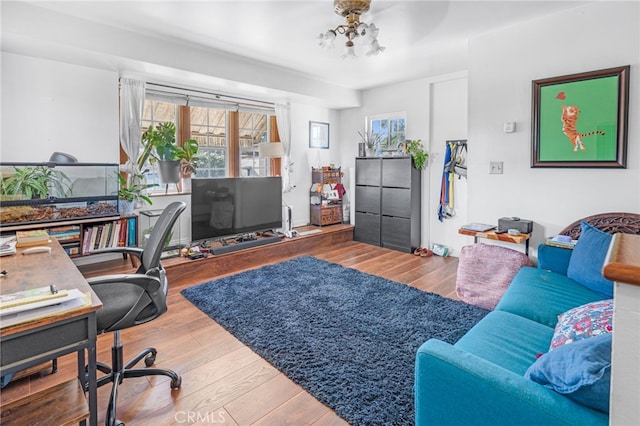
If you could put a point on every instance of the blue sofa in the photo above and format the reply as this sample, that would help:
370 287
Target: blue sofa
480 379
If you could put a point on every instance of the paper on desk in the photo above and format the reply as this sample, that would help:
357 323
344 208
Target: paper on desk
74 300
7 248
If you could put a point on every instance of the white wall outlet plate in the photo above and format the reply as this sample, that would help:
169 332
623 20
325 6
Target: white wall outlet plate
509 127
495 167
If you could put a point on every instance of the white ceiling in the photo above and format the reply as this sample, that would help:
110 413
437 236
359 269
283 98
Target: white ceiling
418 35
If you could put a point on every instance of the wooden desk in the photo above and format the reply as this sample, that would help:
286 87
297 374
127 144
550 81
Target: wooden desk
32 343
491 235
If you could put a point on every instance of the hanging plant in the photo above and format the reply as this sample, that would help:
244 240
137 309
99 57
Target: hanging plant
415 149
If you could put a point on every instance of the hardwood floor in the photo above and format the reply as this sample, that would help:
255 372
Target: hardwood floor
223 381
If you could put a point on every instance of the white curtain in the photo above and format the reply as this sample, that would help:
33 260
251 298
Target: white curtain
283 118
131 109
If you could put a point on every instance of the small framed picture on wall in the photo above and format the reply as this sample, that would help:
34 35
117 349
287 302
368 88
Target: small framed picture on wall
318 135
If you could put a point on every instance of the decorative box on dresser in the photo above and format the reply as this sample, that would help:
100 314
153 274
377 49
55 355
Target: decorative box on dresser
387 202
324 211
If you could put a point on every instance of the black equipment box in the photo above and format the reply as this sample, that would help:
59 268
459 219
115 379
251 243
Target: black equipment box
523 225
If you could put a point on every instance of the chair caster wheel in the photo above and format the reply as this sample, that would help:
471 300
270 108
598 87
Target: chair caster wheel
119 423
150 360
175 384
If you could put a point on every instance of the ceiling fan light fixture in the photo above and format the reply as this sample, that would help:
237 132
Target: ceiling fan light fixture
349 51
375 48
353 29
327 39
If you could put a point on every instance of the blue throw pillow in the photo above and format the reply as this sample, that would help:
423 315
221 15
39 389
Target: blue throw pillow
581 371
587 260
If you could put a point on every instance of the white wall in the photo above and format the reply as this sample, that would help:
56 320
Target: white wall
305 158
502 65
51 106
447 121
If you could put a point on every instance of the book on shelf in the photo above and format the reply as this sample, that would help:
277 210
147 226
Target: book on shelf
122 238
86 240
63 233
32 237
131 232
72 248
116 234
105 235
478 227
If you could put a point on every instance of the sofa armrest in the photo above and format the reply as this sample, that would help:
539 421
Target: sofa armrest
554 259
455 387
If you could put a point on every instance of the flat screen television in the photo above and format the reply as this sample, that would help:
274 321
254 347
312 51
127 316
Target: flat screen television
221 207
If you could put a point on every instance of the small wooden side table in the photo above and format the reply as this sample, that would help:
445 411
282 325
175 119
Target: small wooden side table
492 235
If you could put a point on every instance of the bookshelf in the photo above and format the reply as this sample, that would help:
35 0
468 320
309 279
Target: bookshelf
78 237
324 211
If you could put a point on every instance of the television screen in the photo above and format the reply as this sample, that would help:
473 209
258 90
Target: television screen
222 207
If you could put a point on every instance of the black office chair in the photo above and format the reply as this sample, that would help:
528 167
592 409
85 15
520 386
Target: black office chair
133 299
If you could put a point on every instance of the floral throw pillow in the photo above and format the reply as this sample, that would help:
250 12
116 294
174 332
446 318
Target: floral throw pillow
590 319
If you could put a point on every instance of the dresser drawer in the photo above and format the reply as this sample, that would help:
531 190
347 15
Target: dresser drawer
367 228
368 199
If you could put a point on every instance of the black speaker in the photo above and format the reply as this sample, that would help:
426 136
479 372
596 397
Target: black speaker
523 225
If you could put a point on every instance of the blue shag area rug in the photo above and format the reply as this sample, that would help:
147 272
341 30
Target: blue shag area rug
347 337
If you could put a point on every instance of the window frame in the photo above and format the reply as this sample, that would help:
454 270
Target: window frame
391 141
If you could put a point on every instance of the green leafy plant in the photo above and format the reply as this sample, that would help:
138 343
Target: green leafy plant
133 191
36 182
416 150
159 144
189 159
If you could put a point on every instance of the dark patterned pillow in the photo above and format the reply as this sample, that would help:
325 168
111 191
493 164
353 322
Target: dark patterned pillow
590 319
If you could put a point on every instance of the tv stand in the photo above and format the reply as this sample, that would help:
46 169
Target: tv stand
243 243
182 271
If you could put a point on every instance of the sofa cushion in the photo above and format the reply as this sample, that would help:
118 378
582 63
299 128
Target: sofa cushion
507 340
585 265
485 271
581 371
585 321
541 295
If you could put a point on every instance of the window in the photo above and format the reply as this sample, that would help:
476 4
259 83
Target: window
390 127
253 130
209 128
228 129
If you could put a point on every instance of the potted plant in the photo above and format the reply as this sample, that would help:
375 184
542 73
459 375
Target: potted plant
372 141
160 146
415 149
35 182
128 194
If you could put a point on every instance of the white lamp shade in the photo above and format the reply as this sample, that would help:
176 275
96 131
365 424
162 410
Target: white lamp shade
272 150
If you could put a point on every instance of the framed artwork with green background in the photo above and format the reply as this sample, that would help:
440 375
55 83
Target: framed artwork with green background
580 120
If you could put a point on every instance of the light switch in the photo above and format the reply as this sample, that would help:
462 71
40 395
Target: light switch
509 127
495 167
